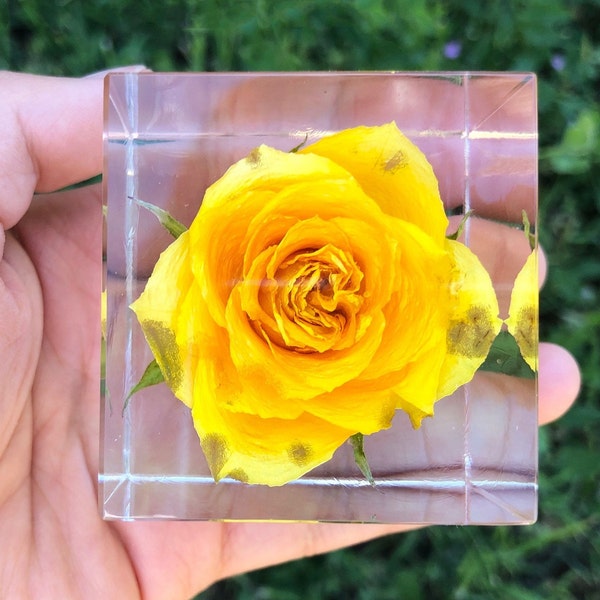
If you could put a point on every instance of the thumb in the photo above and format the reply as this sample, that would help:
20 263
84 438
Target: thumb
52 131
52 137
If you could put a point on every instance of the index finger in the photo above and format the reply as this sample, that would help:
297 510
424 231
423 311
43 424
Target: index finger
52 128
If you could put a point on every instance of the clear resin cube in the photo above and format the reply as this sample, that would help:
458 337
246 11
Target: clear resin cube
323 348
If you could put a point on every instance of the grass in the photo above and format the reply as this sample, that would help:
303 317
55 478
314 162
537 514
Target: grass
558 39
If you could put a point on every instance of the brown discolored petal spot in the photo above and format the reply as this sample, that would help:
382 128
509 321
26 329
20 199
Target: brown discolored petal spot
397 161
472 336
254 157
216 450
300 454
525 331
163 344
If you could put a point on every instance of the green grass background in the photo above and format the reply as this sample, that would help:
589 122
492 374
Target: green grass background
559 557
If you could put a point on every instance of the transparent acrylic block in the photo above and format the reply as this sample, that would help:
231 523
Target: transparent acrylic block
168 137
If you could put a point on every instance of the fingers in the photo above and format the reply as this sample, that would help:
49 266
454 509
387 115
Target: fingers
503 251
54 129
559 382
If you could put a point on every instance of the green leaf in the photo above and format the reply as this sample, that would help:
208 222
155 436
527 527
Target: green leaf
173 226
580 145
505 357
152 376
359 457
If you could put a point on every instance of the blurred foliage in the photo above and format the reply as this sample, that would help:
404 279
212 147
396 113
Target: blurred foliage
558 39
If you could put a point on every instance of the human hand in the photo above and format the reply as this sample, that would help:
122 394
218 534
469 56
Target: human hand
55 543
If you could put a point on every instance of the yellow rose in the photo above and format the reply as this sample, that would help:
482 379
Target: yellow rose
314 294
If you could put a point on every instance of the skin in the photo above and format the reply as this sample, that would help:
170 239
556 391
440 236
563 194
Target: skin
54 543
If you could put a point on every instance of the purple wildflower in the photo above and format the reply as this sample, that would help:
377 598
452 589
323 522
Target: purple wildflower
452 49
558 62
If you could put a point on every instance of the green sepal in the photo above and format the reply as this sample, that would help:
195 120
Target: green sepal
359 457
505 357
173 226
527 229
302 143
454 236
152 376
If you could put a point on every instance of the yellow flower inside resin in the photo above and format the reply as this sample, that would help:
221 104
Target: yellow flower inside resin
315 294
522 319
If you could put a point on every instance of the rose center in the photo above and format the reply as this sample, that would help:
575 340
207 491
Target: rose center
316 299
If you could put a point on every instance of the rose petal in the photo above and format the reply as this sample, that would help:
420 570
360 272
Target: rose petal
261 451
217 379
404 370
417 313
417 391
392 171
414 389
522 319
357 406
474 322
159 308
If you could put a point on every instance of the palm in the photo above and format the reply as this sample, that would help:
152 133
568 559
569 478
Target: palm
53 509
